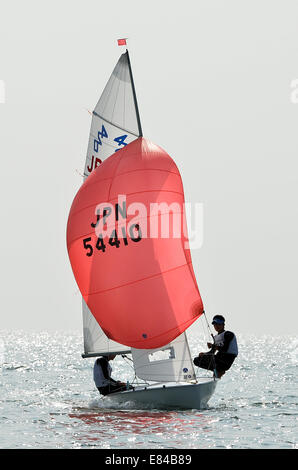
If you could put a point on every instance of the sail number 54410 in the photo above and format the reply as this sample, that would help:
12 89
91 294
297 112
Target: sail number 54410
135 235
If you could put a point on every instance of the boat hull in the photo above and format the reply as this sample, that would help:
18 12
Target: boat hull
169 395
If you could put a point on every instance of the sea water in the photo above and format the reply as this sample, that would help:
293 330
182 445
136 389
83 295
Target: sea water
48 399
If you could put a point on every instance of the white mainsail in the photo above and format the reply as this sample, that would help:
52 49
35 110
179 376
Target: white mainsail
115 123
115 119
95 340
171 363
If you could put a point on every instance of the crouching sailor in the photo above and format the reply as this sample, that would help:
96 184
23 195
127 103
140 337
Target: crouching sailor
102 376
222 353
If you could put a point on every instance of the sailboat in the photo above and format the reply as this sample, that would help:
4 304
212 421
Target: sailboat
139 291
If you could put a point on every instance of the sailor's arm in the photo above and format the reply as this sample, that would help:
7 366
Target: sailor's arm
105 371
212 347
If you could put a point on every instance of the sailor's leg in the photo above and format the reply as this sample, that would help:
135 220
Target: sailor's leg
103 390
223 363
117 388
205 361
221 366
218 373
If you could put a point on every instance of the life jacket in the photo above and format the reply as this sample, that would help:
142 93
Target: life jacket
220 340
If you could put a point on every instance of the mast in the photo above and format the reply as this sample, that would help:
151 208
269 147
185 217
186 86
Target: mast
134 95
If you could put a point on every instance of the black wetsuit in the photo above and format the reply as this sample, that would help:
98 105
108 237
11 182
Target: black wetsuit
226 345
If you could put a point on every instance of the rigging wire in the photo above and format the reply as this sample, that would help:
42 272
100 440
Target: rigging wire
79 173
211 334
126 358
212 358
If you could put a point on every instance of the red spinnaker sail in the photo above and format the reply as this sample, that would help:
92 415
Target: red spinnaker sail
137 281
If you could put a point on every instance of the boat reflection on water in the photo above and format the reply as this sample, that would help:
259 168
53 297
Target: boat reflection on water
129 424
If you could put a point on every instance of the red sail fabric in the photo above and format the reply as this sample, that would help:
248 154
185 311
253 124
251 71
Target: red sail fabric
137 281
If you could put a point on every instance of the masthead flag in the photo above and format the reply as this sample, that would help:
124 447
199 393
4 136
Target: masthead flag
122 42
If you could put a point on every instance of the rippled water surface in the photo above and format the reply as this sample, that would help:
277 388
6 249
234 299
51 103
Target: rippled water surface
48 399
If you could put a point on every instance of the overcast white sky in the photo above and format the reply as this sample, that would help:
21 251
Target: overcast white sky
213 80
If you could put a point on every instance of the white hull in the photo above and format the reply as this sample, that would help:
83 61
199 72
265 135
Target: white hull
170 395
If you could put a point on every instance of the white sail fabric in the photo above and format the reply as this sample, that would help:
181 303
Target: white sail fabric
115 120
115 123
171 363
95 341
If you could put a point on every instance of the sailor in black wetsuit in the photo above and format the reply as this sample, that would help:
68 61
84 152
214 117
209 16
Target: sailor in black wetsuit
222 353
102 376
